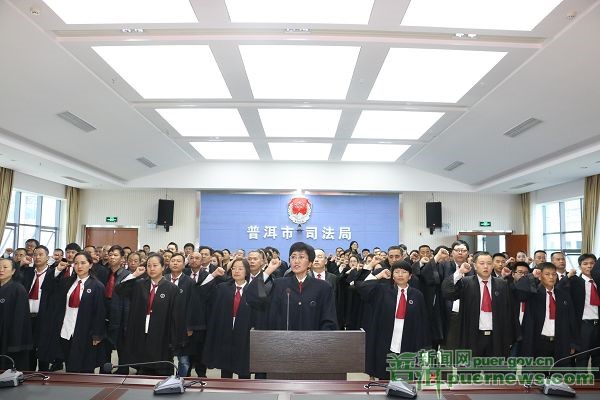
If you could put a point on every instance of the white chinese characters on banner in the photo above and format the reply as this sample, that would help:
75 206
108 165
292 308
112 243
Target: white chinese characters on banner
289 233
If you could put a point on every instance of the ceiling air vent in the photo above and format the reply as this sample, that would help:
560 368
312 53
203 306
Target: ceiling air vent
76 121
454 165
74 179
522 127
146 162
522 185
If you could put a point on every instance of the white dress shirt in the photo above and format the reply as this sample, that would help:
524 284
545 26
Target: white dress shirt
485 318
34 305
548 328
589 311
68 326
396 343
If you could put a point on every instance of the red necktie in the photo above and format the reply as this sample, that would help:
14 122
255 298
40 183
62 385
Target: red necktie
174 279
74 298
194 275
319 276
523 306
236 300
34 293
552 306
110 285
594 298
151 299
486 304
68 271
300 286
401 310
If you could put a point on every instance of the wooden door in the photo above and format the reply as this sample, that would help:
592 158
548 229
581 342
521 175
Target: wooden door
516 243
110 236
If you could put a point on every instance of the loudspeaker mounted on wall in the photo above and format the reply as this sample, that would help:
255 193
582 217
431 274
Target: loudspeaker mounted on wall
165 213
433 215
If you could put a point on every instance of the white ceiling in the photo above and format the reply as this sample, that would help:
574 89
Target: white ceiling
549 73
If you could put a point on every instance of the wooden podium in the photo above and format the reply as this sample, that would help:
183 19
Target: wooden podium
307 355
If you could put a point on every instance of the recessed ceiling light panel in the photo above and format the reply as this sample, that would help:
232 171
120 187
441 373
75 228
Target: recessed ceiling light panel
167 71
300 11
407 125
122 11
374 152
298 71
222 122
300 122
431 75
477 14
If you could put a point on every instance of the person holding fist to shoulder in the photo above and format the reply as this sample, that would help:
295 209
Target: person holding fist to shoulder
152 326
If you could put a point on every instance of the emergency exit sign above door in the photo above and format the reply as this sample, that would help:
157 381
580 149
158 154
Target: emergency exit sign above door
111 219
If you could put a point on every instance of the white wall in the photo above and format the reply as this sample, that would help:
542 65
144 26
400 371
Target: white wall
460 212
136 208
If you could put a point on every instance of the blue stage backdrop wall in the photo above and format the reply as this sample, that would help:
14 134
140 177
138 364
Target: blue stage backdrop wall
250 221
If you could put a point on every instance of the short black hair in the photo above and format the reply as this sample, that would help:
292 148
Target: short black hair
61 251
174 244
546 265
161 260
73 246
210 249
41 246
514 266
303 247
189 245
118 248
555 253
539 251
499 255
585 256
424 245
479 254
395 248
37 243
401 265
460 242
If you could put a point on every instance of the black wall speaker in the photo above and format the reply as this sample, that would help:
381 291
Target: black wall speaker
433 213
165 213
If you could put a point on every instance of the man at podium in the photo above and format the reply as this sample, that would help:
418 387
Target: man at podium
298 301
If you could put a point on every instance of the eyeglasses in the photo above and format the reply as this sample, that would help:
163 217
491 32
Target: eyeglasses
460 250
300 257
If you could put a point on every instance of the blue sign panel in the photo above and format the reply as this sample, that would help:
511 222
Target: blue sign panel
250 221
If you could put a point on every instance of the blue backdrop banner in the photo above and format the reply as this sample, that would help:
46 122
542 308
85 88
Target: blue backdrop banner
250 221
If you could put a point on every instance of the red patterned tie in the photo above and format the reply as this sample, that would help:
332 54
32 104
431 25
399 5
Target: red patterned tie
401 310
486 304
194 275
74 298
174 279
552 306
34 293
151 299
319 275
594 298
68 271
300 286
110 285
523 306
236 300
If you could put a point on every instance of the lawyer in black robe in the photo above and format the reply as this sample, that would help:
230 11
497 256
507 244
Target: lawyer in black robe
158 342
227 345
86 350
382 295
15 325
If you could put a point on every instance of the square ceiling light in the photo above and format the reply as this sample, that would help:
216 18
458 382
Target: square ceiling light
298 71
300 11
477 14
431 75
300 151
226 150
408 125
299 122
220 122
374 152
167 72
123 11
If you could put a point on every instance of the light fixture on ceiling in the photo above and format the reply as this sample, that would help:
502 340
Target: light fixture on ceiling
399 125
132 30
521 186
522 127
74 179
146 162
297 30
453 166
76 121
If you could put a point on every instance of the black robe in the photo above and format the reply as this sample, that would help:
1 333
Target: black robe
467 290
355 311
382 296
45 309
227 346
185 284
90 324
15 325
163 336
311 310
566 328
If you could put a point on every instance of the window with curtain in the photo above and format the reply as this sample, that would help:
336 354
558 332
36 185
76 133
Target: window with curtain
31 216
562 228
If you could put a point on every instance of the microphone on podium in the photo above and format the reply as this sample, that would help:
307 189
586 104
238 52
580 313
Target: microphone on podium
170 385
287 314
552 387
11 377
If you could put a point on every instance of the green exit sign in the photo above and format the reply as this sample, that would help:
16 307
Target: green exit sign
111 219
485 223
